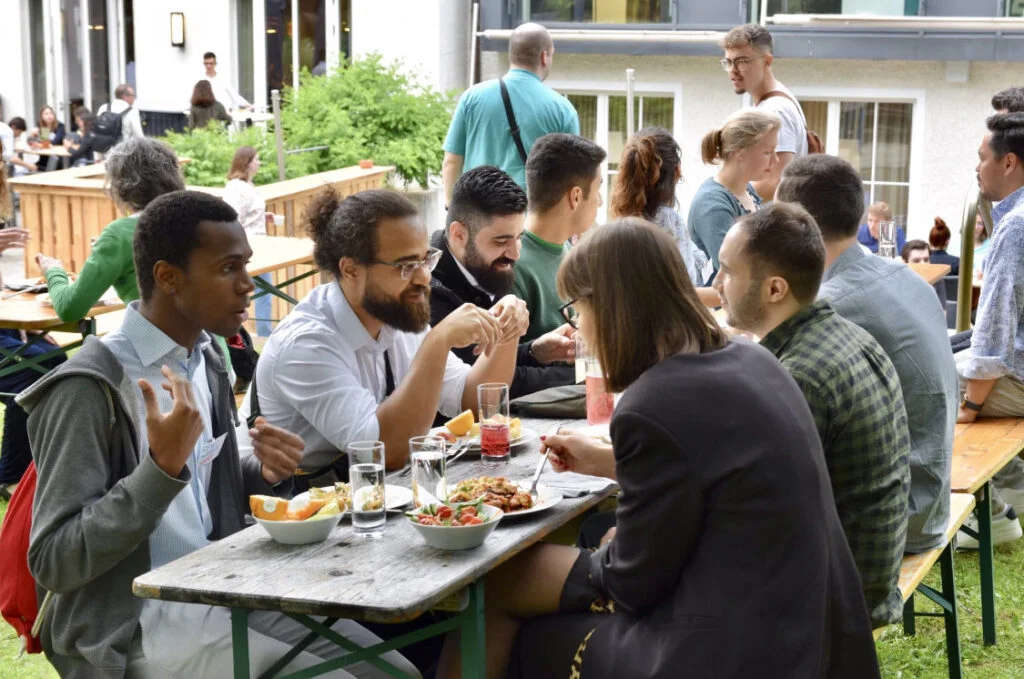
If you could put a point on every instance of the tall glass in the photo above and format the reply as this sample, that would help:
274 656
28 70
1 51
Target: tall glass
495 444
427 455
366 474
887 240
600 402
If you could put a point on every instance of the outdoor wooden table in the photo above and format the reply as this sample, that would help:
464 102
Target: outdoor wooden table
394 579
270 253
933 273
55 150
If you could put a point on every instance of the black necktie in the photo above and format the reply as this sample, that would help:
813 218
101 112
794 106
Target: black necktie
389 377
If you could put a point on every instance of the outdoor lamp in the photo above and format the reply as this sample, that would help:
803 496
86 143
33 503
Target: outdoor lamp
177 29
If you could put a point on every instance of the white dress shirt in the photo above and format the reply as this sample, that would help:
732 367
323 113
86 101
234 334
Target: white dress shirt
321 376
225 93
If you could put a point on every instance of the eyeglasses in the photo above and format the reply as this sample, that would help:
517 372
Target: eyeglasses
740 63
568 312
409 269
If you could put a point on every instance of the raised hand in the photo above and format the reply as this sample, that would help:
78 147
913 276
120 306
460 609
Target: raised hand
46 263
469 324
279 450
513 317
557 345
172 437
13 238
574 452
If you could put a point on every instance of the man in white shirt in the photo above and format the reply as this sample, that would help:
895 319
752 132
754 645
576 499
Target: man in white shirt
748 61
357 360
8 155
124 100
222 89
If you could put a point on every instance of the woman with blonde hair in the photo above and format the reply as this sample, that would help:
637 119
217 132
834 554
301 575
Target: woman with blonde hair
241 194
645 186
745 145
678 589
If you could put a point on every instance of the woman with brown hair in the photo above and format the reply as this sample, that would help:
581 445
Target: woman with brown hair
938 239
205 108
728 559
745 145
241 194
645 186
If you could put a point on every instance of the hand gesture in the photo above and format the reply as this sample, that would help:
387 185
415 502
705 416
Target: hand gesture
279 450
46 263
172 437
513 318
557 345
574 452
13 238
469 324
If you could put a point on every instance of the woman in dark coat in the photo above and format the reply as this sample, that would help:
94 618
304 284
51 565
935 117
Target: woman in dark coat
728 559
205 108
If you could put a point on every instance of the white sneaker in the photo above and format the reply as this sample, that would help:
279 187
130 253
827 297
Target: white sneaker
1005 528
1012 496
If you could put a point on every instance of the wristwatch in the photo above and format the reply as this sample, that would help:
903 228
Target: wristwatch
971 405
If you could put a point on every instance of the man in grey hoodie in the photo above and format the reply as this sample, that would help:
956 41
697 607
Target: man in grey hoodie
131 477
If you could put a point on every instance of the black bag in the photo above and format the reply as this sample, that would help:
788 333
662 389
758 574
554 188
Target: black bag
569 401
243 359
106 129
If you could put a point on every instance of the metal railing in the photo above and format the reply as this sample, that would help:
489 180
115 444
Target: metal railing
972 204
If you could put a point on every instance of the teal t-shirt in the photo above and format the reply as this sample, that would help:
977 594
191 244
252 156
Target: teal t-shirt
535 284
480 133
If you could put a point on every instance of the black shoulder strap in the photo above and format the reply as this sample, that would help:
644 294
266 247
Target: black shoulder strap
512 124
254 404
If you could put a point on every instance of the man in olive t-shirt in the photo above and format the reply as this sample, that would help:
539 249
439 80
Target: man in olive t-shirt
563 187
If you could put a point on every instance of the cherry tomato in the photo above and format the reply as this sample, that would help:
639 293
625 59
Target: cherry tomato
471 521
468 511
444 512
428 521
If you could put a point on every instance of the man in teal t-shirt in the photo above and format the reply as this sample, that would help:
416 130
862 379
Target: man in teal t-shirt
563 188
480 133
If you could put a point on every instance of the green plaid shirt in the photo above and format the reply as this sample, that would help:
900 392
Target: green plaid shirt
855 397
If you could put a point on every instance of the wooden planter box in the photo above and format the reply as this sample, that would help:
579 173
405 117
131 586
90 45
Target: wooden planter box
66 209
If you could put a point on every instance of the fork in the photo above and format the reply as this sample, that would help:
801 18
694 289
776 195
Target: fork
536 476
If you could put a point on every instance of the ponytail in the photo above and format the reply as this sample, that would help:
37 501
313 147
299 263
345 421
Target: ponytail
743 129
711 147
639 169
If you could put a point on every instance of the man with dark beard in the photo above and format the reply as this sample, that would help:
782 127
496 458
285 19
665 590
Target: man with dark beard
479 249
356 360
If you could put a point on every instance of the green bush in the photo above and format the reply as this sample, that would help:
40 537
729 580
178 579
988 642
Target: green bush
366 109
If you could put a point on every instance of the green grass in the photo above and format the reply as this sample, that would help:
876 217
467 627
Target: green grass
922 656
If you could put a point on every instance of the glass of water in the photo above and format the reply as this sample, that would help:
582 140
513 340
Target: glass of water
366 475
887 239
427 455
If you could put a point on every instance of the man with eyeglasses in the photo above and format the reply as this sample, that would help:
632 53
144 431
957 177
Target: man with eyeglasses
748 61
357 360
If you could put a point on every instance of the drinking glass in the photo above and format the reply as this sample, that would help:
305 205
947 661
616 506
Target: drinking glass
366 475
495 444
600 402
887 240
429 485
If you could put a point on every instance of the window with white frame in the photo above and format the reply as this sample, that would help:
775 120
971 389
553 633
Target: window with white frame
603 121
874 137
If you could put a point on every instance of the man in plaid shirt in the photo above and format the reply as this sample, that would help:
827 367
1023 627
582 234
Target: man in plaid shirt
772 262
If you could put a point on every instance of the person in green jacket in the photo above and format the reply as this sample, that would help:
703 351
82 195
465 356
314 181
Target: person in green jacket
138 170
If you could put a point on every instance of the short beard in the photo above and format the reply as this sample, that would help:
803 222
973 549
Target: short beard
497 283
747 313
398 313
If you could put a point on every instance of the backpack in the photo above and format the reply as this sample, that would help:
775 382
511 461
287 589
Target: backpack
814 143
106 129
19 604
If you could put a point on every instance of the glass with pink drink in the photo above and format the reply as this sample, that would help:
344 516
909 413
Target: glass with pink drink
495 441
600 402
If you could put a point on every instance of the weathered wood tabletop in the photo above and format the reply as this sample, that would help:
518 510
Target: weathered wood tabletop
932 273
393 579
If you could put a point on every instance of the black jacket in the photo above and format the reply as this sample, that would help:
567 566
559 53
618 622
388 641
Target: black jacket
449 290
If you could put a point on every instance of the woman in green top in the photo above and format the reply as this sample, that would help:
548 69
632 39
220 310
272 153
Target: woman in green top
138 170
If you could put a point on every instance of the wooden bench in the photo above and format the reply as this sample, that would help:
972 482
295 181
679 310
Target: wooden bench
913 571
980 449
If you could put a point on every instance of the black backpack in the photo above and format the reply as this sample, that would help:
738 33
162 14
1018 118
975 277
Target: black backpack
106 129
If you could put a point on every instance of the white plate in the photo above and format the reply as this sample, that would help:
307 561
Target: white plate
525 436
547 497
300 532
396 497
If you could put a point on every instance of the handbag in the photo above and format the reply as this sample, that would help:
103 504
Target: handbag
566 402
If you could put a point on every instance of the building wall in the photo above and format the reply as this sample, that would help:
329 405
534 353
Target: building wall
944 147
14 83
165 75
432 36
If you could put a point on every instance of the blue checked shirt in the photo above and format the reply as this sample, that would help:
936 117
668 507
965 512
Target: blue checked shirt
854 394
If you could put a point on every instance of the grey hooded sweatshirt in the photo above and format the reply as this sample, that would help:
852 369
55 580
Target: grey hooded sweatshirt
99 498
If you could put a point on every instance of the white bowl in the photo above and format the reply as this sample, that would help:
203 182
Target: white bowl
300 532
453 538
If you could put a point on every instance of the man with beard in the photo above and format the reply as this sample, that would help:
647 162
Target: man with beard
479 249
356 360
771 263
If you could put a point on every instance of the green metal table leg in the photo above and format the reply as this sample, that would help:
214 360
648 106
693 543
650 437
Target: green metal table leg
270 289
474 644
909 624
240 641
951 619
985 560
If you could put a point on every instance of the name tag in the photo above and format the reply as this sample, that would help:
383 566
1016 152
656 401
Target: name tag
211 449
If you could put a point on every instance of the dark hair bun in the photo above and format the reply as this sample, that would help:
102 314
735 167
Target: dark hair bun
319 211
